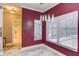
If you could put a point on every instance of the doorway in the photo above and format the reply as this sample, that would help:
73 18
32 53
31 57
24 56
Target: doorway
12 29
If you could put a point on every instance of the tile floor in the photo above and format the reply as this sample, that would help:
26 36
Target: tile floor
40 50
36 50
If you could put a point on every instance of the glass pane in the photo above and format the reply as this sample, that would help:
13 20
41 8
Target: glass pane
37 30
69 31
52 31
62 29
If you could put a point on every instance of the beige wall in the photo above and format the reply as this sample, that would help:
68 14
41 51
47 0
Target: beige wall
7 27
17 29
12 27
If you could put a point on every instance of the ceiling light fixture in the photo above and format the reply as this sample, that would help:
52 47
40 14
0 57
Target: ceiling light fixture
47 17
41 3
13 11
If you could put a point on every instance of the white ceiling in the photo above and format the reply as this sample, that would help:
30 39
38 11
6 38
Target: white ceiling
35 6
38 7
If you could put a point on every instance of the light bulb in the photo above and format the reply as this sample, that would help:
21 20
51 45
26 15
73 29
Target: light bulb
12 11
45 17
53 18
41 18
49 19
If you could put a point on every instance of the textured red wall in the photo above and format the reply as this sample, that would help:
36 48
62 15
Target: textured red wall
60 9
28 17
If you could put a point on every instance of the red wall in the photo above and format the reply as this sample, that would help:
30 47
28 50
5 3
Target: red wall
28 32
43 31
60 9
28 16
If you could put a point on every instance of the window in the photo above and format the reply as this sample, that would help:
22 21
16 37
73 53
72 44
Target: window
64 30
70 28
37 29
52 31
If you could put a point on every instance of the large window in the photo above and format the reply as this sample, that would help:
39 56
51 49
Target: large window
70 28
64 30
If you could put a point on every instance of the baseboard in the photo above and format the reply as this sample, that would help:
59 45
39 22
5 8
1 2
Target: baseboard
24 48
61 54
63 46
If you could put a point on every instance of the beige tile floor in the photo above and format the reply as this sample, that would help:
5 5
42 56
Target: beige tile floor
11 49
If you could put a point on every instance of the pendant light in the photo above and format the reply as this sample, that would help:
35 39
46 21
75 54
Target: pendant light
47 17
53 19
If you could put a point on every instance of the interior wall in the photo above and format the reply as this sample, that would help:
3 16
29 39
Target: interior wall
1 37
7 28
28 17
43 31
61 9
17 27
1 15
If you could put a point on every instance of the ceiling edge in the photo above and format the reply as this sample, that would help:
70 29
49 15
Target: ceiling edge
39 10
31 9
50 7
